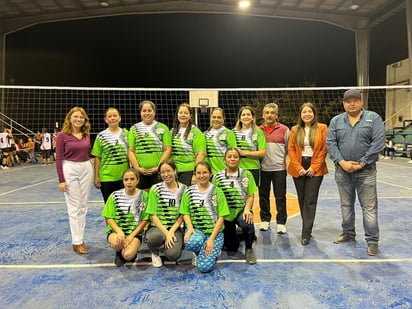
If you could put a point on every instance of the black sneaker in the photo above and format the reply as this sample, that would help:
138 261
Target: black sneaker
372 249
119 260
344 238
250 257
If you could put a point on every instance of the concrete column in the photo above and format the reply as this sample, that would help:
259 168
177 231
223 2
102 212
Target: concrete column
362 60
409 34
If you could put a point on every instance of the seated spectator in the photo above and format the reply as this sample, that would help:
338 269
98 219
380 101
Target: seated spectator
21 153
388 150
14 158
29 147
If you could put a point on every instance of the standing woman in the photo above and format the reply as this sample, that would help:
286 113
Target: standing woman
46 146
203 208
307 152
188 144
75 172
251 142
163 208
110 152
218 140
149 144
239 188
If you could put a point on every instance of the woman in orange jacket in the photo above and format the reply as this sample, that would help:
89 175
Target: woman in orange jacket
307 153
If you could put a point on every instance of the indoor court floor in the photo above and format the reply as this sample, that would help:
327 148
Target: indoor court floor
38 268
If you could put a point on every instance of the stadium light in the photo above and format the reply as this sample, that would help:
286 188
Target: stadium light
355 5
104 4
243 4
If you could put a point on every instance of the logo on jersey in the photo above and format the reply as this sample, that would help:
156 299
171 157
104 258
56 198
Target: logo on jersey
245 182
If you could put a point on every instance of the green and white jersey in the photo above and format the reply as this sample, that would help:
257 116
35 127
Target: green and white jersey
149 142
251 141
184 150
236 188
204 208
111 148
217 142
164 203
127 211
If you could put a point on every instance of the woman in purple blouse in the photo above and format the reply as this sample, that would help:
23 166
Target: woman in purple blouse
75 172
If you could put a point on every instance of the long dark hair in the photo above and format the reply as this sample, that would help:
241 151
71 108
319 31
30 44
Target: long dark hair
300 127
172 164
176 124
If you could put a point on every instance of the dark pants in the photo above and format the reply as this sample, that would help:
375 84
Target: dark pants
147 181
231 239
185 178
108 187
278 181
308 191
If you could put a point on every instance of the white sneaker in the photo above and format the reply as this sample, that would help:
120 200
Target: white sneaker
410 161
194 259
2 167
156 260
382 157
281 229
386 158
5 167
264 226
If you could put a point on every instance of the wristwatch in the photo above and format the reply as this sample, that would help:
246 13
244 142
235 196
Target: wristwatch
362 164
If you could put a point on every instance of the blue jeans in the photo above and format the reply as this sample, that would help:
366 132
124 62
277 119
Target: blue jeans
362 183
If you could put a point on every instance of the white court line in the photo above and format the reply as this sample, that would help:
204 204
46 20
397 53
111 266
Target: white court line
23 188
379 197
340 261
384 182
395 185
43 203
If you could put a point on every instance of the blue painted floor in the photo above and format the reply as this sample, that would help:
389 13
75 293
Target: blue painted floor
38 268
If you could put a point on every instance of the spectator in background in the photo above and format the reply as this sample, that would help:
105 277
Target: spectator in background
110 155
188 144
21 153
388 149
274 168
46 146
355 139
75 172
54 138
37 141
6 151
29 147
307 152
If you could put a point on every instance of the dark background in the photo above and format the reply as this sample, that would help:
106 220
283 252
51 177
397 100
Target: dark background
197 50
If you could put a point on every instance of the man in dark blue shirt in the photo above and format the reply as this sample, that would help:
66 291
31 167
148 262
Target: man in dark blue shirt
355 139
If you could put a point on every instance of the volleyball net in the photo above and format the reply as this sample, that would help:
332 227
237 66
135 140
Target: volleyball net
34 107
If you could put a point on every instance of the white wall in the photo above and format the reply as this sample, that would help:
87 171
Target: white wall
398 101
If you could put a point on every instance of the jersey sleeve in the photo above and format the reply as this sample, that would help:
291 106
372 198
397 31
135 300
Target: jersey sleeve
199 141
108 210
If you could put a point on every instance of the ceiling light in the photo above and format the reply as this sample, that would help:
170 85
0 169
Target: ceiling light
104 4
355 5
244 4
